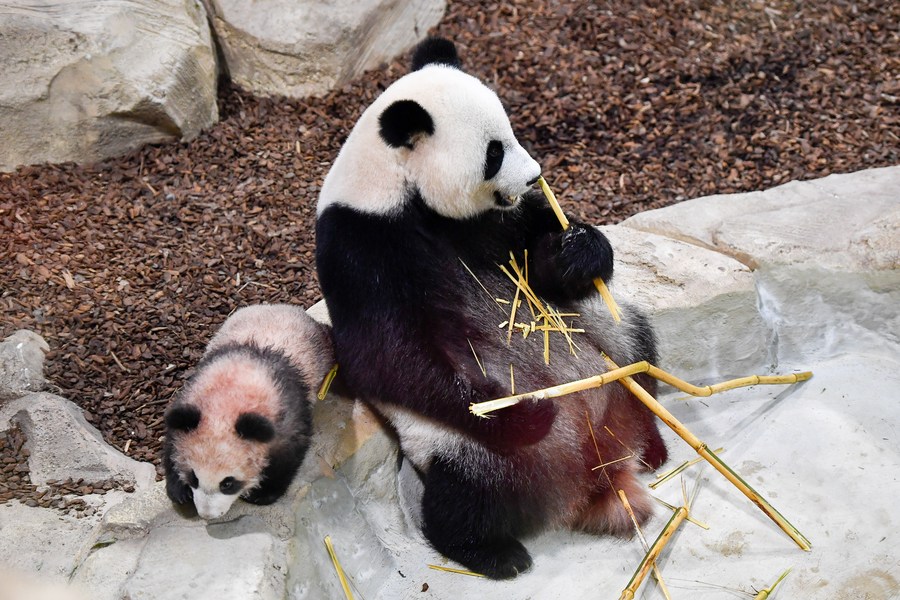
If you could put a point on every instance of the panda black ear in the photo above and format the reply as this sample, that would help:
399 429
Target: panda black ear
402 122
183 417
435 50
254 427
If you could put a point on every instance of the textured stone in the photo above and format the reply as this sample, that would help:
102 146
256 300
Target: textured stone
63 445
88 80
845 222
22 364
285 47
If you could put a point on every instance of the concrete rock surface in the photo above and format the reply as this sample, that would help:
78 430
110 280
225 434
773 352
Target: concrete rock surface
299 49
84 80
22 364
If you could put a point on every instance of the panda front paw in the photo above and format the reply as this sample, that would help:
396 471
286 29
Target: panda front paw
567 262
178 491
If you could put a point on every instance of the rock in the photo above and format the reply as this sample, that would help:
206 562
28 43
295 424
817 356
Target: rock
843 222
703 304
22 364
88 80
284 47
63 445
238 560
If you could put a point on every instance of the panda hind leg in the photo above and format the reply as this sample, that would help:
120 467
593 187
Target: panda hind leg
469 524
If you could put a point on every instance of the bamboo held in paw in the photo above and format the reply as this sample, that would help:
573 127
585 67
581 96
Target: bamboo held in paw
598 283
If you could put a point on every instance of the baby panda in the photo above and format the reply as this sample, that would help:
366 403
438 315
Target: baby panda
242 424
428 196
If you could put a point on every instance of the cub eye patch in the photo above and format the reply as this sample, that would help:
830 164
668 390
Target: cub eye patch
493 159
230 486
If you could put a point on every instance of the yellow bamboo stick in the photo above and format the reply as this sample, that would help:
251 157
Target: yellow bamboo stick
637 527
700 447
614 309
656 549
764 593
664 477
326 383
337 567
482 408
457 571
623 375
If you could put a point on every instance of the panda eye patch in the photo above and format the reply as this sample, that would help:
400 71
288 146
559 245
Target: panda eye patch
230 486
493 159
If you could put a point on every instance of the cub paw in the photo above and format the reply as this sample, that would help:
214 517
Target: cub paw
178 491
260 496
499 560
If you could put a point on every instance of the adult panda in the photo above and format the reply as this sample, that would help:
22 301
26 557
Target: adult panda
427 197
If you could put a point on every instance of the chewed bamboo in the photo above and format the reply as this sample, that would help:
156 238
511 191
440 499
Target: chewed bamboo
345 585
656 549
614 309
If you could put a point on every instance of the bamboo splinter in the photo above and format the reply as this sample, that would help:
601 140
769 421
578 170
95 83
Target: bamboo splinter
598 283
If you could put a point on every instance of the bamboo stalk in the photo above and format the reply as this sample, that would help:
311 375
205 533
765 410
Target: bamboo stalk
337 567
457 571
326 383
618 373
764 593
656 549
700 447
656 572
664 477
598 283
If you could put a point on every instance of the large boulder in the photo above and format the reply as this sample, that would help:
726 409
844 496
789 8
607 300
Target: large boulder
299 49
22 364
83 80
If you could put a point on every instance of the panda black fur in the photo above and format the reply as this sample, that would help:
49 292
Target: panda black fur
431 183
242 425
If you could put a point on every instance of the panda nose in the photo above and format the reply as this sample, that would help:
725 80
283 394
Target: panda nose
534 181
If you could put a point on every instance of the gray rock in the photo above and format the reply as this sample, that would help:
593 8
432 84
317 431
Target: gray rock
844 222
22 364
63 444
88 80
285 47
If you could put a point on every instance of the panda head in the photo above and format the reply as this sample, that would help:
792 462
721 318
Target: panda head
221 429
438 132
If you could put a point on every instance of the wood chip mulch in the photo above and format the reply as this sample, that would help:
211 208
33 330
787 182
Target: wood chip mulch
128 266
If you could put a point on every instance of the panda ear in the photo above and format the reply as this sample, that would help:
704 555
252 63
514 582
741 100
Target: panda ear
254 427
435 50
183 417
402 122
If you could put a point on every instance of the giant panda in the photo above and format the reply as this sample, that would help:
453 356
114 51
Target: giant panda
243 422
427 197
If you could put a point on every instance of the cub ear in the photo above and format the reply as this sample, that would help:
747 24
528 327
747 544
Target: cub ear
254 427
435 50
183 417
403 122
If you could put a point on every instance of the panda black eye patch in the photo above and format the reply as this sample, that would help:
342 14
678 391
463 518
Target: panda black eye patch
230 486
493 159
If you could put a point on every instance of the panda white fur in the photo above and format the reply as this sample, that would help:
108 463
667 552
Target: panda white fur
432 182
242 424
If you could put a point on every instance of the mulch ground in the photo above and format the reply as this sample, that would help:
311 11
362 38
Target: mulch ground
127 267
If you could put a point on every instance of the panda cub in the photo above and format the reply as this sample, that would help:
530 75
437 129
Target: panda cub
242 424
426 199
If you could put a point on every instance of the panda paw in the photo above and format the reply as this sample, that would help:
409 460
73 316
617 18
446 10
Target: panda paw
584 254
567 262
178 491
261 496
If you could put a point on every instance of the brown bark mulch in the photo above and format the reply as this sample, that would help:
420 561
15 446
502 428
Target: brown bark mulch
127 267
